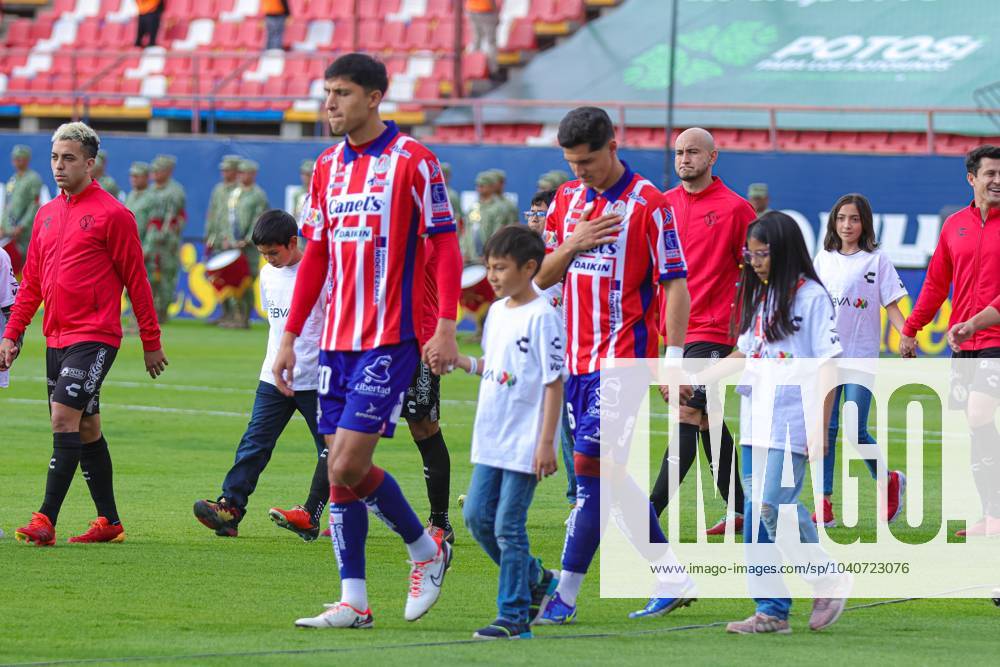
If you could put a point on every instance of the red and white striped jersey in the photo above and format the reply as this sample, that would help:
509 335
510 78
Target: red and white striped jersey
609 294
373 207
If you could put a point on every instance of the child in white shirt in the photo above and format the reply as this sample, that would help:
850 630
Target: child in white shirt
8 290
513 442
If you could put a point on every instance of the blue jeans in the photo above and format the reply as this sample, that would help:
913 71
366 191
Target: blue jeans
566 445
862 397
496 513
773 496
271 412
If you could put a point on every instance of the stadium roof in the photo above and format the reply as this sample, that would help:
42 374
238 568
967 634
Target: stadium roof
878 54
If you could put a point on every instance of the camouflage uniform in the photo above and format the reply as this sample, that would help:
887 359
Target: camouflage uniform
507 209
299 193
163 238
244 207
143 204
21 203
551 180
218 231
105 180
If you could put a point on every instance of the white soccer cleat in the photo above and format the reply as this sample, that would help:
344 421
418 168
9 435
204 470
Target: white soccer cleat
425 582
339 615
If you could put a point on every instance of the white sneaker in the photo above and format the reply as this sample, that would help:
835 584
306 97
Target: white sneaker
339 615
425 582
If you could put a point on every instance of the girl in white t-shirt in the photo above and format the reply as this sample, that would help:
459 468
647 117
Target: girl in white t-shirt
860 280
785 313
8 290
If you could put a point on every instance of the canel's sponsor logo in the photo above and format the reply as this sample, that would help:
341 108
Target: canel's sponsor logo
355 205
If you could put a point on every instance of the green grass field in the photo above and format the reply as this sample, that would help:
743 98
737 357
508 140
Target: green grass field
175 591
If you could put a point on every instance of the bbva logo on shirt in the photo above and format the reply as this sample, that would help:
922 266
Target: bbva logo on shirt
356 204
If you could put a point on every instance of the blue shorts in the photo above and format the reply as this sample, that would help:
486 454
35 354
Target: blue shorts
363 391
587 400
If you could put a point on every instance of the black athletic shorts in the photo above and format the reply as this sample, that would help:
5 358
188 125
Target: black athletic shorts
423 396
984 378
704 350
75 374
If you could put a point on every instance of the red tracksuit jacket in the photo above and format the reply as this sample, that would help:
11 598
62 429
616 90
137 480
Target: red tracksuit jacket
968 257
84 249
712 225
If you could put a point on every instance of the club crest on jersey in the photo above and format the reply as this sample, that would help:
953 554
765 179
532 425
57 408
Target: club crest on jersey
617 208
359 204
711 218
382 164
352 234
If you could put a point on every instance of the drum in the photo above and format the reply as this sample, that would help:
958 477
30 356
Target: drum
16 260
229 273
476 290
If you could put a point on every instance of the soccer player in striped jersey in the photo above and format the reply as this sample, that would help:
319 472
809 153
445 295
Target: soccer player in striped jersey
614 241
376 200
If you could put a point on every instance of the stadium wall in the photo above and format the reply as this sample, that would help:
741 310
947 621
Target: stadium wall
908 193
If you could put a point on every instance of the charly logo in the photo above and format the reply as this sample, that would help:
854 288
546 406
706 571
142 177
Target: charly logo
702 54
86 221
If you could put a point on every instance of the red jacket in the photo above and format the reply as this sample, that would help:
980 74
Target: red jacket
712 225
83 250
967 258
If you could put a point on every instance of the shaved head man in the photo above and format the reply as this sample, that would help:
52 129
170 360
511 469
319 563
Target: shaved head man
694 156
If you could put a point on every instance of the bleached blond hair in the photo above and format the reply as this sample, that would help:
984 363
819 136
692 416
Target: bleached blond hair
81 133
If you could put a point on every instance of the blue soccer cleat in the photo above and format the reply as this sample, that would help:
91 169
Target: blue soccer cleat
661 607
556 612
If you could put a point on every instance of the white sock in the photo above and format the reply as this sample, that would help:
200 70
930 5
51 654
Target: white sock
355 593
422 549
569 586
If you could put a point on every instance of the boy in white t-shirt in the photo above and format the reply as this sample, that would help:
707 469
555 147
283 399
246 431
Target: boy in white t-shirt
513 441
8 290
276 236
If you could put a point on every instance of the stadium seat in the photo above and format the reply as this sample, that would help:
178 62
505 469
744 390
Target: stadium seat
183 9
343 35
439 9
442 36
275 87
908 142
475 66
341 9
19 34
369 34
570 10
391 37
378 10
521 37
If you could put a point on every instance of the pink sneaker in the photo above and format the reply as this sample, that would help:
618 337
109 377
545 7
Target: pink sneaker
825 612
759 624
896 496
829 520
720 526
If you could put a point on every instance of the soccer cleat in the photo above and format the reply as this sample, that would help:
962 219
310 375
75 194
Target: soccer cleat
339 615
39 531
541 592
896 495
219 515
325 533
556 612
825 612
447 533
296 520
829 520
759 624
720 526
426 578
100 531
503 629
661 606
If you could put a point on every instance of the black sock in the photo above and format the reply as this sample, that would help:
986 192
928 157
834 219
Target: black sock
62 467
660 494
985 464
319 489
727 464
95 462
437 475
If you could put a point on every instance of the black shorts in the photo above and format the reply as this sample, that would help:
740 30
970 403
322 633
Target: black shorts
423 396
74 374
984 378
704 350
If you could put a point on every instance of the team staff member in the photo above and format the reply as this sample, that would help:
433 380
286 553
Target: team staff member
967 262
712 222
84 249
376 199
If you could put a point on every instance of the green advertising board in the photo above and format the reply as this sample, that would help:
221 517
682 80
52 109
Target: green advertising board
819 53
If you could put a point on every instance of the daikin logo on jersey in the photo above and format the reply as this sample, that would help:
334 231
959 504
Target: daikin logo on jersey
916 522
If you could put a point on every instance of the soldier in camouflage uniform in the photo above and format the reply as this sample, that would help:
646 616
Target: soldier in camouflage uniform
145 207
454 200
163 235
106 181
245 205
21 201
508 209
551 180
218 231
300 191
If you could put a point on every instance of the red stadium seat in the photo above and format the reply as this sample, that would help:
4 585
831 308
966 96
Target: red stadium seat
115 36
298 86
378 10
442 36
343 35
18 91
392 37
41 28
254 90
178 9
369 34
225 36
570 10
475 66
522 36
908 142
19 34
275 87
251 34
341 9
61 6
295 32
418 36
439 9
542 10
